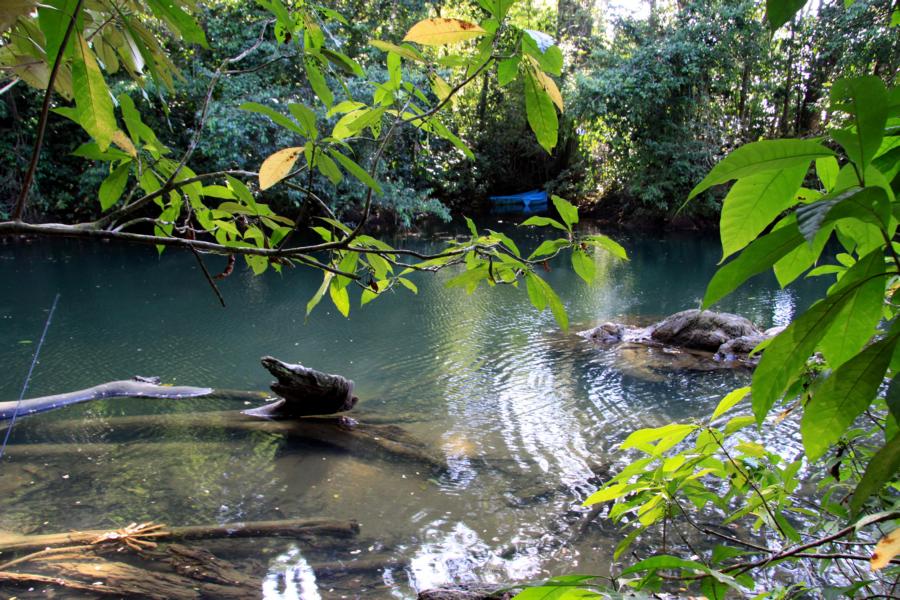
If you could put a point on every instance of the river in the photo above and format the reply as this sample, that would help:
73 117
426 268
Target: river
524 414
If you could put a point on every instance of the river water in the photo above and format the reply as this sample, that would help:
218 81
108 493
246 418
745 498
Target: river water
526 417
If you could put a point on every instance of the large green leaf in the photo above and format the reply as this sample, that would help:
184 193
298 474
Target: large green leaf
53 19
863 204
114 185
787 353
758 157
883 467
855 323
317 81
797 261
93 104
541 113
846 393
754 202
866 99
756 258
779 12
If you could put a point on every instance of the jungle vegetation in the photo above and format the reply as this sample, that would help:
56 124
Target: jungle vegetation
184 117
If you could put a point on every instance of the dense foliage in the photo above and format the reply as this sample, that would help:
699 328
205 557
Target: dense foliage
354 119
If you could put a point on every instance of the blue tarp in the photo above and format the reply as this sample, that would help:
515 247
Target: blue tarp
534 197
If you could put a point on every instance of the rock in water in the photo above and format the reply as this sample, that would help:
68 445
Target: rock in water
304 392
705 330
730 337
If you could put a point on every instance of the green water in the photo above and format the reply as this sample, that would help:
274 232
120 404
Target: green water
523 414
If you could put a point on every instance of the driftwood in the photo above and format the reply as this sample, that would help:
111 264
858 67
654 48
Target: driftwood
174 573
303 392
139 387
297 528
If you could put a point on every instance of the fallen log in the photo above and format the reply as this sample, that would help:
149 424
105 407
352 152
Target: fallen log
295 528
139 387
304 392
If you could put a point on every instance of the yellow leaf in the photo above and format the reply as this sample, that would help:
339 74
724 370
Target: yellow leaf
437 32
122 141
276 167
887 548
547 83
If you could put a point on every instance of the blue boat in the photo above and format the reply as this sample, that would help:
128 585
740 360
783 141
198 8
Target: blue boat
529 201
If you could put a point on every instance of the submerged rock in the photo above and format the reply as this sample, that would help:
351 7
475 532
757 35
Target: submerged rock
726 336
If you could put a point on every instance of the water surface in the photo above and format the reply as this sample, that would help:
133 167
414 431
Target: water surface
526 417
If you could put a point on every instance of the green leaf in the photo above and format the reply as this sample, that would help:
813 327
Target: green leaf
317 297
788 352
93 104
584 265
779 12
543 222
866 99
343 62
471 225
882 468
566 210
497 8
328 168
608 244
758 157
408 284
827 170
541 113
754 202
180 21
340 297
357 171
317 81
256 107
507 70
112 187
664 561
306 118
406 51
53 19
549 247
842 397
553 301
794 263
535 292
607 493
756 258
645 436
730 399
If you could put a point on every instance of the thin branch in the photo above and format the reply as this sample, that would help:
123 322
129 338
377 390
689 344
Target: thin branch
209 278
42 122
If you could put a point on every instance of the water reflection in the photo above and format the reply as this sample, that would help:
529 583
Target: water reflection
526 417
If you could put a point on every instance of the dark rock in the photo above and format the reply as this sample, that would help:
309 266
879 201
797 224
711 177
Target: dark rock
702 330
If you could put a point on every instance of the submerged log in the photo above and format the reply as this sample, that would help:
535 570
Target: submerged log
295 528
344 433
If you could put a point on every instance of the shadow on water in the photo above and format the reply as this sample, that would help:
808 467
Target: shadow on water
527 418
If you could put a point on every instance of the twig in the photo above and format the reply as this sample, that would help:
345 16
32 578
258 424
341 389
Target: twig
209 278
